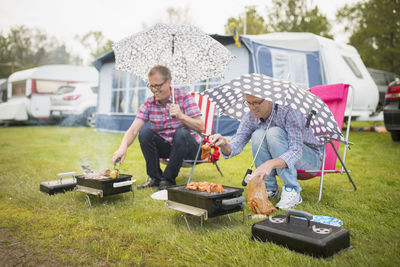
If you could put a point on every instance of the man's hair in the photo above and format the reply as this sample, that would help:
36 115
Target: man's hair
164 71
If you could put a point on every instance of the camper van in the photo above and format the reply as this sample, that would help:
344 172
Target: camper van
29 91
309 60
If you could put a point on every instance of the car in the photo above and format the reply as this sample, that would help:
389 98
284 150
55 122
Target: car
75 104
382 80
391 110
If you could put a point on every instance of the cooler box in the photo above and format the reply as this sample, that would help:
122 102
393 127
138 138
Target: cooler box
305 236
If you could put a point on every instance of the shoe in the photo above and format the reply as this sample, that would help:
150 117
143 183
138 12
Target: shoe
273 194
289 198
151 183
164 184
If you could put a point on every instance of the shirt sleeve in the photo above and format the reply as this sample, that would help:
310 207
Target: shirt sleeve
241 137
295 125
143 112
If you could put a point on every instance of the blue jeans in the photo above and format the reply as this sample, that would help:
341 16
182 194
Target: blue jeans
274 145
154 147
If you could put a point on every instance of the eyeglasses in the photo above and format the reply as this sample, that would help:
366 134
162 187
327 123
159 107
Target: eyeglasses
254 104
156 86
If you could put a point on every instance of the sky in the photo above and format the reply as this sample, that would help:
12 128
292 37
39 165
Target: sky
117 19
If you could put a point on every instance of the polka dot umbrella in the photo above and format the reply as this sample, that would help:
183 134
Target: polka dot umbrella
190 54
229 99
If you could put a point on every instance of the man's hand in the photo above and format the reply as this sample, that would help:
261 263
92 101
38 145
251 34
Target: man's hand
217 139
264 170
175 111
119 154
267 167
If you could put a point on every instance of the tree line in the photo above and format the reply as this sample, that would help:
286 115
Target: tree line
373 27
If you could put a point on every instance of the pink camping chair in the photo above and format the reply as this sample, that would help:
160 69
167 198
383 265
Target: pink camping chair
207 109
335 96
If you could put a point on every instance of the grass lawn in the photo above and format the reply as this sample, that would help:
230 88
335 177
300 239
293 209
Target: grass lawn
125 231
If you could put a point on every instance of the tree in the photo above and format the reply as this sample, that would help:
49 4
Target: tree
96 43
25 47
254 23
297 16
375 32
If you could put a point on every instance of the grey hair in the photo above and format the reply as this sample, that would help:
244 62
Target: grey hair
163 70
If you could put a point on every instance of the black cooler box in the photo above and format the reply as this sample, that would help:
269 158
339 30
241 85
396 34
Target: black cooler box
305 236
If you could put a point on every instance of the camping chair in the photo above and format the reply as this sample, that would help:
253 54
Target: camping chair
207 109
335 97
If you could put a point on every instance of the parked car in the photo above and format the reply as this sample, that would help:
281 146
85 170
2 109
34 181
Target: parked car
382 80
75 104
391 110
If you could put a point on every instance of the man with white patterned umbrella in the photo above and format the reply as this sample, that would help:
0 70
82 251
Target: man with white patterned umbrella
274 115
164 55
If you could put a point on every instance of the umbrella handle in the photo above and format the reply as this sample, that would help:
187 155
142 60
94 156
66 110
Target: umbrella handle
248 173
173 98
309 117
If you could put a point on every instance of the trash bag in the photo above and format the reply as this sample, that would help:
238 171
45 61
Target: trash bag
257 197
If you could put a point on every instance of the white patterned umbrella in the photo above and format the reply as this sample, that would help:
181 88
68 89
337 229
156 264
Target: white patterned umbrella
229 99
190 54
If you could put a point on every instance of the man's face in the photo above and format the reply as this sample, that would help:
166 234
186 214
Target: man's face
259 107
160 87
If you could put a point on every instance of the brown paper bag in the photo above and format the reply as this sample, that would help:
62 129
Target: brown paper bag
257 197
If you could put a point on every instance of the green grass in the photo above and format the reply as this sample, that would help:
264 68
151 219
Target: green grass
125 231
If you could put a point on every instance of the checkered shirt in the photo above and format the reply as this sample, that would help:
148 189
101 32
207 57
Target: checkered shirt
292 122
160 120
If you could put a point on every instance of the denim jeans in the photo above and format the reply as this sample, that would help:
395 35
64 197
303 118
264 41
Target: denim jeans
275 144
154 147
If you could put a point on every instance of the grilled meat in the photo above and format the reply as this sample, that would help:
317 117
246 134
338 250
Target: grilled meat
205 186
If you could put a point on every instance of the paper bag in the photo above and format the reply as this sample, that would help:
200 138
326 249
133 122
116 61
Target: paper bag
257 197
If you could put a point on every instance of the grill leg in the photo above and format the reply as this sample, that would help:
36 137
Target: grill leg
187 224
88 199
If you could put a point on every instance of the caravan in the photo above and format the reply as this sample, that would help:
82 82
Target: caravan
309 60
29 91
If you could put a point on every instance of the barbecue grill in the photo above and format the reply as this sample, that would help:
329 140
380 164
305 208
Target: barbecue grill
204 204
104 187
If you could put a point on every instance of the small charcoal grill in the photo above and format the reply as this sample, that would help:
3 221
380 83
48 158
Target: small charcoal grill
104 187
205 204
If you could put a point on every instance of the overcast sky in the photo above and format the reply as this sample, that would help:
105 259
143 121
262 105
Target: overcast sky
119 18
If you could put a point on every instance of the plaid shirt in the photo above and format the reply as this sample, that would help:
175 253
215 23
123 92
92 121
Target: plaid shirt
292 122
160 120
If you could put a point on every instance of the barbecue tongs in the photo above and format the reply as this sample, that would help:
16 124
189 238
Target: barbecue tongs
118 160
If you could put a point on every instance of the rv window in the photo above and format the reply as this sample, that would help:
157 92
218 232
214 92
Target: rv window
18 88
48 87
353 67
65 90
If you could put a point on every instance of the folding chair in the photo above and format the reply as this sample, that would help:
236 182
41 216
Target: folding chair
335 96
207 109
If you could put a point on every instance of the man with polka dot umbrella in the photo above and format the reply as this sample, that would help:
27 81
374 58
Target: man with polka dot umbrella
276 116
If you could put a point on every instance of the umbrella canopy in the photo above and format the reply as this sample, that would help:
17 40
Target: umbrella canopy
190 54
229 99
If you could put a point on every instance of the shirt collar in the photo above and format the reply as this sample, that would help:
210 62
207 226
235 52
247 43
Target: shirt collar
169 100
261 121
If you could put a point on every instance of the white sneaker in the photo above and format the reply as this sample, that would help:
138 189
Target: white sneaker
273 194
289 198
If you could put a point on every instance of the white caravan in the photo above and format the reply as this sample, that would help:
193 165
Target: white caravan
29 91
308 60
